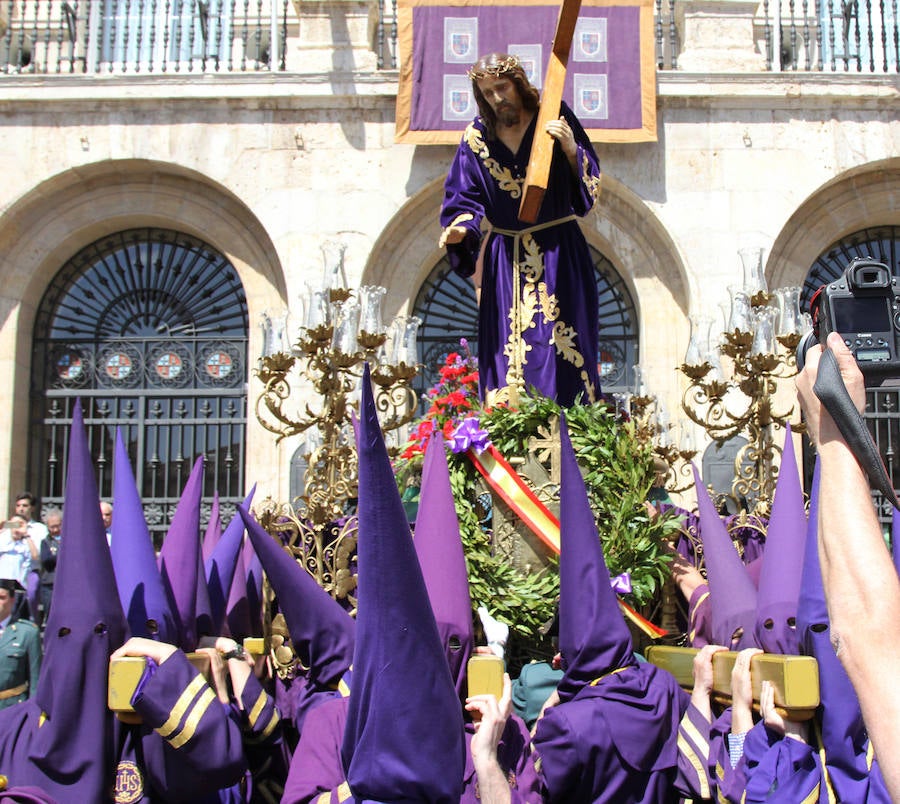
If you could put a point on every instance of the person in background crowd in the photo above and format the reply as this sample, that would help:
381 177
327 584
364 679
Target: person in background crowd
17 550
20 649
27 507
106 510
48 552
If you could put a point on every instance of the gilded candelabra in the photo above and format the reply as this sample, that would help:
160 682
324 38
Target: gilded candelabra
671 460
759 344
343 330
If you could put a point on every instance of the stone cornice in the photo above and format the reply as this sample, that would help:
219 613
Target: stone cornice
379 89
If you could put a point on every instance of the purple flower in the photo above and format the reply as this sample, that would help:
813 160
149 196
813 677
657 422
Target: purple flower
621 584
469 435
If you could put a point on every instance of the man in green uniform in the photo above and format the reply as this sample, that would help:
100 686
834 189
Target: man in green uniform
20 649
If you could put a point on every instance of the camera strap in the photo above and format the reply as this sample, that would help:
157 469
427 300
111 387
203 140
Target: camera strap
833 394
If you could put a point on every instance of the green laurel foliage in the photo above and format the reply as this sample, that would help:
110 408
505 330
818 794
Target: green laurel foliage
618 472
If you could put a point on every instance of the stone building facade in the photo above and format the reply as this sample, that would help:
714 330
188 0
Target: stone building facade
265 166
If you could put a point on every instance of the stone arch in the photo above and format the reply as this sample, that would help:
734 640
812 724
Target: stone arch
859 198
65 213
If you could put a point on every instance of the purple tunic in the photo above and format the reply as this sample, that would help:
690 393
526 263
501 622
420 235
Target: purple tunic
200 753
187 747
779 768
558 287
615 741
316 769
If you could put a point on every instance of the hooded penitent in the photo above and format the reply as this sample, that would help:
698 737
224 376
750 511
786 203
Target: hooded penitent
63 742
213 529
403 741
254 579
439 548
613 736
140 587
732 593
593 636
179 559
219 567
237 609
321 631
782 561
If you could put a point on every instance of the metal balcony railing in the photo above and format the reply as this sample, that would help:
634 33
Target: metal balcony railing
142 36
99 37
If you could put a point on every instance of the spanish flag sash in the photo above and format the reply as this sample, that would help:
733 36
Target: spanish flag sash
506 483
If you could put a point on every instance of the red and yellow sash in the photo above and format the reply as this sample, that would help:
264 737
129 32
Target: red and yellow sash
509 486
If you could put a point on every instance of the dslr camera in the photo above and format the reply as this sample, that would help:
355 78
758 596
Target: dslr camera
863 305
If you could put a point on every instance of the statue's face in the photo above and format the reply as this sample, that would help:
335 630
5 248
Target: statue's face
502 96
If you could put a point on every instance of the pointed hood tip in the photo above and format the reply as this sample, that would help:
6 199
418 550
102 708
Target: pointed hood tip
593 636
439 547
732 592
392 595
782 560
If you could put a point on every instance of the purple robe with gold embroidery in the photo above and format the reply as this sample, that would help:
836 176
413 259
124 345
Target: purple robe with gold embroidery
558 286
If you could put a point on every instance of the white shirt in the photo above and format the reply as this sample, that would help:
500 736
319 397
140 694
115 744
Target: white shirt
15 557
38 531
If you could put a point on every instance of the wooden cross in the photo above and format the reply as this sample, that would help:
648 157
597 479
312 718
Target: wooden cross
538 174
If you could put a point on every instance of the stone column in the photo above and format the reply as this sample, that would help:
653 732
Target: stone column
336 36
718 36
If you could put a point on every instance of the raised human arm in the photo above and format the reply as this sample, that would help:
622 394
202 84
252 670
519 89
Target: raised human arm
862 588
490 716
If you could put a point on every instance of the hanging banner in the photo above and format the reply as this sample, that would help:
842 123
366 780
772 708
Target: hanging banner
610 80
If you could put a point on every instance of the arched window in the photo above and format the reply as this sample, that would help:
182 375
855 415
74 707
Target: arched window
446 305
149 328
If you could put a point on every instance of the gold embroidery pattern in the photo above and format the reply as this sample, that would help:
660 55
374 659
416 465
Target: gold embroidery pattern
465 217
592 183
502 175
564 341
533 265
129 783
588 387
472 137
549 304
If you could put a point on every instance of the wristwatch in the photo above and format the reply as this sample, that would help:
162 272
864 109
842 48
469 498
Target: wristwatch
237 652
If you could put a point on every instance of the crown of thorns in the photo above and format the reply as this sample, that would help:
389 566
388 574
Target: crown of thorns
506 65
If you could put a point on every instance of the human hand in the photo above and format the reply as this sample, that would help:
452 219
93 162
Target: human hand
489 716
786 727
742 692
451 235
767 709
227 647
140 646
819 425
562 132
216 673
703 668
686 576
